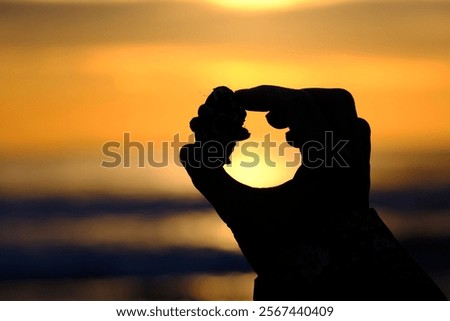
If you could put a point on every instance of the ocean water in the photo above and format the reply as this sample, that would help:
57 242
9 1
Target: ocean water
112 248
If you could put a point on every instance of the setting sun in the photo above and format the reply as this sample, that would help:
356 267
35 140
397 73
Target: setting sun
266 5
257 4
262 175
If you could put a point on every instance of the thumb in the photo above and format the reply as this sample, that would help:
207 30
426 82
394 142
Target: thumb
223 192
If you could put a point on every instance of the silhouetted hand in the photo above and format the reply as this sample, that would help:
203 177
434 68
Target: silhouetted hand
313 237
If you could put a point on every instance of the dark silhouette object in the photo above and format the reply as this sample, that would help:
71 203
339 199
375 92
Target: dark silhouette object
313 237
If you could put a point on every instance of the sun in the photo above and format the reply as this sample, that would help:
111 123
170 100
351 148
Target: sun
256 167
257 4
260 176
265 159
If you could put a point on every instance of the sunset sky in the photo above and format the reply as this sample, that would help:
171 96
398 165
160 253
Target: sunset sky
77 74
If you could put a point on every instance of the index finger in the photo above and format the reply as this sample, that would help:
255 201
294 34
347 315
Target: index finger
264 98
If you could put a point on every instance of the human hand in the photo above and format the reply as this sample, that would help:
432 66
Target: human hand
286 210
314 117
323 124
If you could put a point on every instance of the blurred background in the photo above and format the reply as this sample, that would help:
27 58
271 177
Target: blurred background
76 75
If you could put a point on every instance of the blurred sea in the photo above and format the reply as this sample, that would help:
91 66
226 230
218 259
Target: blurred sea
136 249
118 248
129 246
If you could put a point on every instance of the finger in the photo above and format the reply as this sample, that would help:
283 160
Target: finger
264 98
363 166
222 191
274 99
338 108
364 137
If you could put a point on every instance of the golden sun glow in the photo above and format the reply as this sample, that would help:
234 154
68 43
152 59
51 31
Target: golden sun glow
265 159
153 86
257 4
262 5
257 171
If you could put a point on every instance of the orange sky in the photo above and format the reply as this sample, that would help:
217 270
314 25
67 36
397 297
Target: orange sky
78 74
